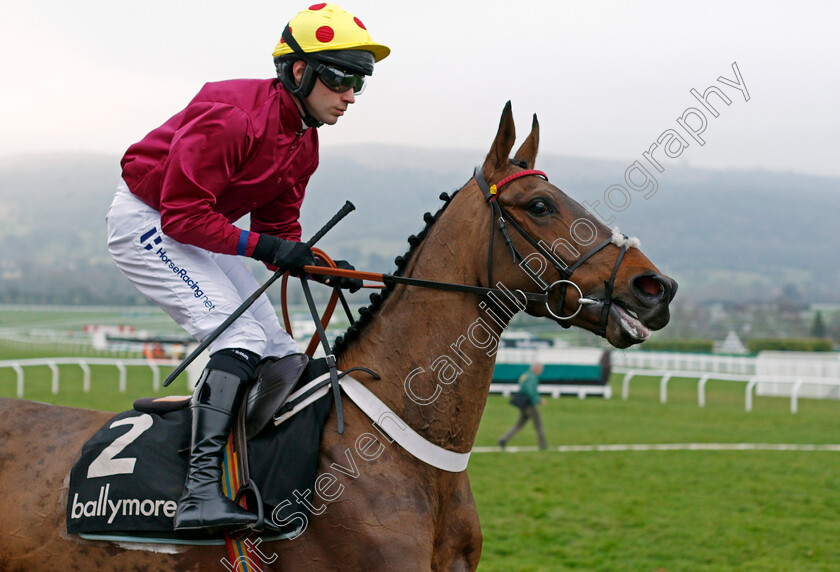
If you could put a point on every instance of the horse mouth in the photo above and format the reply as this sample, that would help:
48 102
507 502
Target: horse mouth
629 323
623 328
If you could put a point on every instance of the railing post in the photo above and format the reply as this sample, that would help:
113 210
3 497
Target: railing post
748 398
155 376
121 366
701 390
85 376
794 395
54 370
663 388
625 385
19 372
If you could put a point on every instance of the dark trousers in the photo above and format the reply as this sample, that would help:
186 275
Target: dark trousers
528 412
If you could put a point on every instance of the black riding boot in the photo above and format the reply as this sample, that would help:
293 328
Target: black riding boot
203 505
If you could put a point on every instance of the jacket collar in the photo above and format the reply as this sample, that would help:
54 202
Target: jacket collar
289 115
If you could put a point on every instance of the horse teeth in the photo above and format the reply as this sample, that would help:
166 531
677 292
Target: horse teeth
631 324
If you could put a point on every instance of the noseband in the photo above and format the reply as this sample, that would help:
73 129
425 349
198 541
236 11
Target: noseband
500 214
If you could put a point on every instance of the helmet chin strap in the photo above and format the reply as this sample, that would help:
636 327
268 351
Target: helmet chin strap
308 119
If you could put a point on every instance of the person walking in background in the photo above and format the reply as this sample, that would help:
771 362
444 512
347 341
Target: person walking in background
527 399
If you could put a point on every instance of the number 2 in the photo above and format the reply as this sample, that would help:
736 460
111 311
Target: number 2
105 464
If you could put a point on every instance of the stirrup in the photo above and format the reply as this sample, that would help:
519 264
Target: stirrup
251 487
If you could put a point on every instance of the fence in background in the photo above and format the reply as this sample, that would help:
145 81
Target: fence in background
84 363
72 344
710 368
796 383
706 363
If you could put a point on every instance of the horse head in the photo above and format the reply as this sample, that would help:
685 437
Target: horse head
596 278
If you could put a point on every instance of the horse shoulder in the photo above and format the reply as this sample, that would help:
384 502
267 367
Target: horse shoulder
458 537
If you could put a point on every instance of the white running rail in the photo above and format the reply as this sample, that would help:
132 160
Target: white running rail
796 383
84 363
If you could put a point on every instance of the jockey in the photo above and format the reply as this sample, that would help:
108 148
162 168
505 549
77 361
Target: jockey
239 147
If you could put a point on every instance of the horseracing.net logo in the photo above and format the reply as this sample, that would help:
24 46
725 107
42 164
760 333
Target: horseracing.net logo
152 238
147 241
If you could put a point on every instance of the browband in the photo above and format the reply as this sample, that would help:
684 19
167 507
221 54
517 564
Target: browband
491 191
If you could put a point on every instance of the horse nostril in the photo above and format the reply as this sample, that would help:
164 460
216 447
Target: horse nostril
649 286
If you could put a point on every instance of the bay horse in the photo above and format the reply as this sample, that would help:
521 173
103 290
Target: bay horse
435 352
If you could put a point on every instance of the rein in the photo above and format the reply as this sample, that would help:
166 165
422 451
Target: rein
499 215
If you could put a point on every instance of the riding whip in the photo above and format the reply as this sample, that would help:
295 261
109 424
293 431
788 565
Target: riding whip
343 212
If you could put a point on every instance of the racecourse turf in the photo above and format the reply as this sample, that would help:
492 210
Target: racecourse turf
662 510
679 510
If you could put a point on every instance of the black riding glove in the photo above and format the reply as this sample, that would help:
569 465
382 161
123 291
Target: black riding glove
286 255
352 284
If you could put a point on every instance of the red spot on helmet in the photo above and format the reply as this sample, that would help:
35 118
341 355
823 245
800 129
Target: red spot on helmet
317 6
282 39
359 23
324 34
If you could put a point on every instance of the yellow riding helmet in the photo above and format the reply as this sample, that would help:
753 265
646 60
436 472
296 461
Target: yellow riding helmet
327 27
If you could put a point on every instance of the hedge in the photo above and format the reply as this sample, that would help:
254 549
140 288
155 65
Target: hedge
693 345
789 344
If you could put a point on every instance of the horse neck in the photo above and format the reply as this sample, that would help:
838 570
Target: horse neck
422 338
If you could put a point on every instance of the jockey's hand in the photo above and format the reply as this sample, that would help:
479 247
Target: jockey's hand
287 255
351 284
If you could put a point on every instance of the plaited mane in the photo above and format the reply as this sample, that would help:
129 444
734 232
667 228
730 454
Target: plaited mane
378 298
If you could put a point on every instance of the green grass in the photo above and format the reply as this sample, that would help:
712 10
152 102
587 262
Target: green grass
647 511
642 419
661 510
104 386
619 511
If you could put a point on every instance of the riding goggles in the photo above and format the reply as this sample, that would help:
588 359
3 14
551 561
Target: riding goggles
341 81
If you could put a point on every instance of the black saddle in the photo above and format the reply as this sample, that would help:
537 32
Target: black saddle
274 381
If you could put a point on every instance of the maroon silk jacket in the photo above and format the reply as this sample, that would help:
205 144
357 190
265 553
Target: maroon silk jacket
239 147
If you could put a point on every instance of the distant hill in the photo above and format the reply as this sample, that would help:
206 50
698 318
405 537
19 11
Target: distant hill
725 235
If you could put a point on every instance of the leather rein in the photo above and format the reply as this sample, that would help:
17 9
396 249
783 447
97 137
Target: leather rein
501 217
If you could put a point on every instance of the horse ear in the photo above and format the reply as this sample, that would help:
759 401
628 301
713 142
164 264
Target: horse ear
500 150
528 151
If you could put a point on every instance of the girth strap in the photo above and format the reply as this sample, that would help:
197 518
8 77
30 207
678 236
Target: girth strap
339 411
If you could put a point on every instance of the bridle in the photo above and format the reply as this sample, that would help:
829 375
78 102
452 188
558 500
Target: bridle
497 212
498 294
500 214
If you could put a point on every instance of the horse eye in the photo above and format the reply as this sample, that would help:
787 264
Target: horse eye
539 208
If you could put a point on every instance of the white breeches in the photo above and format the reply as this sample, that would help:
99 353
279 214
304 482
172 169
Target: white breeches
199 289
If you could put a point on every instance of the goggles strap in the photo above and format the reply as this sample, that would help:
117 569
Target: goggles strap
287 36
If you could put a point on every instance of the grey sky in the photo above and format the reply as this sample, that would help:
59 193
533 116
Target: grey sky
605 79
